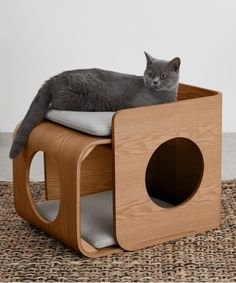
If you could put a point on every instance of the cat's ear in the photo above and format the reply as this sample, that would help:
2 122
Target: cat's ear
174 64
150 60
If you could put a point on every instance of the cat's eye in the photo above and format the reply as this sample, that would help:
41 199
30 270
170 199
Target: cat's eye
151 75
163 77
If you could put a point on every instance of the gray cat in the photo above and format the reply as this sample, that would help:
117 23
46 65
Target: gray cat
100 90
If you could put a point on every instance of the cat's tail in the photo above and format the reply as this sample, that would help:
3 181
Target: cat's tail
36 112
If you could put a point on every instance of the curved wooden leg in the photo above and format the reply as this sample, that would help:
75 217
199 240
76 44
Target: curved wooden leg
67 149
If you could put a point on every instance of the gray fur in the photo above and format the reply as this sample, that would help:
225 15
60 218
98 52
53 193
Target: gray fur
100 90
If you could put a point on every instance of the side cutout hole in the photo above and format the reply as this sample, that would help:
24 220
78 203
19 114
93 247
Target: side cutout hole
174 172
47 208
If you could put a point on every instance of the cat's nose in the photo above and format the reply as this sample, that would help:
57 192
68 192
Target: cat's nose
155 82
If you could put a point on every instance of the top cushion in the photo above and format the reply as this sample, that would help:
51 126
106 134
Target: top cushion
93 123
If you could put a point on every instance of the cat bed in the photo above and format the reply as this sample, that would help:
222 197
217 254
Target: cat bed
96 217
156 137
93 123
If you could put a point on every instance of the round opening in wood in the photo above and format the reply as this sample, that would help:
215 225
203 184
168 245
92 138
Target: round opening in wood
45 201
174 172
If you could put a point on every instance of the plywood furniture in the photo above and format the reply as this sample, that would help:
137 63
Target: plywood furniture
170 152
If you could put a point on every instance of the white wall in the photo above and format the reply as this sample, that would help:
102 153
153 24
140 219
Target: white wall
39 38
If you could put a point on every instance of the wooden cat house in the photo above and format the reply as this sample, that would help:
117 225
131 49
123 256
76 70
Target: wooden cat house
155 178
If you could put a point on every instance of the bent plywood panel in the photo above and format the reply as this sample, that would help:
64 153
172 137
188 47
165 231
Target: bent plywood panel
137 133
67 149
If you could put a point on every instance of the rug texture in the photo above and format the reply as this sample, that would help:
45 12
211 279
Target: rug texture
28 254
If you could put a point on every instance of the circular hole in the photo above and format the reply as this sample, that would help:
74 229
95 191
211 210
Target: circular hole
45 201
174 172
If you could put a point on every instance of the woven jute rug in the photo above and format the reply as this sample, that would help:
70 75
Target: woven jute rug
28 254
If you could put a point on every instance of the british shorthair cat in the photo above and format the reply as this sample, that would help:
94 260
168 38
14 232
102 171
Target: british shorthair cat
100 90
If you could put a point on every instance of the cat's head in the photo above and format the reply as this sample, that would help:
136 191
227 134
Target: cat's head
160 74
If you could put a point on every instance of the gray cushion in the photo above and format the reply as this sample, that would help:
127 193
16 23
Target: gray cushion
96 217
93 123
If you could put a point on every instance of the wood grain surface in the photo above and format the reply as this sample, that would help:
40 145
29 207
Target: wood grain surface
78 164
137 133
64 150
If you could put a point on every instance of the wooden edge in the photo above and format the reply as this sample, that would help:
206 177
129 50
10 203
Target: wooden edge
24 161
181 85
187 87
89 251
84 247
120 113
